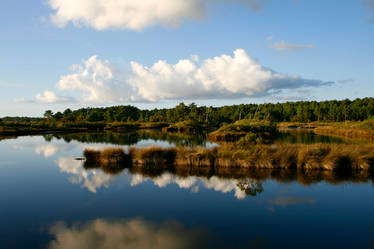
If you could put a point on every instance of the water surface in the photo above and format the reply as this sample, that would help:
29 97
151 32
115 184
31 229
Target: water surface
49 200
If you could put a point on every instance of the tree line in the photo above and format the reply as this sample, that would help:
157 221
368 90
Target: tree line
302 111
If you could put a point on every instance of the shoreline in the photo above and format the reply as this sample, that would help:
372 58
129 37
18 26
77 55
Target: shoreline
351 129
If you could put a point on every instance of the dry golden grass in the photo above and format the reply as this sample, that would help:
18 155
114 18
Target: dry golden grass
154 155
345 132
111 160
260 130
347 129
328 157
92 156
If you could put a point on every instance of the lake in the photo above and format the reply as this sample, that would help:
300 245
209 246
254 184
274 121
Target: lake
49 200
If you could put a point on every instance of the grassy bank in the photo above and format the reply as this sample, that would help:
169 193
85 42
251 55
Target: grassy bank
347 129
251 131
326 157
31 128
41 127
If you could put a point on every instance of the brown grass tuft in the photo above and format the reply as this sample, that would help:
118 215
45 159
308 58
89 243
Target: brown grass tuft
111 160
153 155
324 157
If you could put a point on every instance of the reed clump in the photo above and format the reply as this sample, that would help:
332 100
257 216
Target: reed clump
93 158
197 156
156 156
323 157
111 160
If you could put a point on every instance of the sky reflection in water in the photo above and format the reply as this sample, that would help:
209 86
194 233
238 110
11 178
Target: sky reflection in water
50 200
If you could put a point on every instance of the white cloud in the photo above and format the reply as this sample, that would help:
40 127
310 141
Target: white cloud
51 97
284 46
100 80
134 234
221 77
134 15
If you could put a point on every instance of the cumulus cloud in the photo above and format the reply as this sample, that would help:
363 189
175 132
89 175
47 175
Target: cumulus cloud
100 81
134 234
51 97
284 46
221 77
134 15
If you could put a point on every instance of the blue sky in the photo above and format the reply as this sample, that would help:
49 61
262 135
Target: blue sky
305 49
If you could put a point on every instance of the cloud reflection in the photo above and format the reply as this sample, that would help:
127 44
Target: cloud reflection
48 150
241 187
122 234
92 179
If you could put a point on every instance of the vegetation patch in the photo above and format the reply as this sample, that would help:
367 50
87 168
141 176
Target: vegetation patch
184 126
348 129
247 131
325 157
154 156
111 160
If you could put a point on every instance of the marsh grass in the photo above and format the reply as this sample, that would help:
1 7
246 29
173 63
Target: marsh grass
184 126
111 160
245 131
323 157
93 158
348 129
353 132
198 156
155 156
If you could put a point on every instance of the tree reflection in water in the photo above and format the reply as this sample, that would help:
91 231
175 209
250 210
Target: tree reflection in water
134 138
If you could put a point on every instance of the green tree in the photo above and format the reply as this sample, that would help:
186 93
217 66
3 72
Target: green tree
48 114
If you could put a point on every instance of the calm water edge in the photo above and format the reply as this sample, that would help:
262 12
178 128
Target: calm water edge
49 200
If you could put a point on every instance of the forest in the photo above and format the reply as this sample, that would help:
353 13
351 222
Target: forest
302 111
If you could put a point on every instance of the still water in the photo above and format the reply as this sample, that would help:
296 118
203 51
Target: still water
49 200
